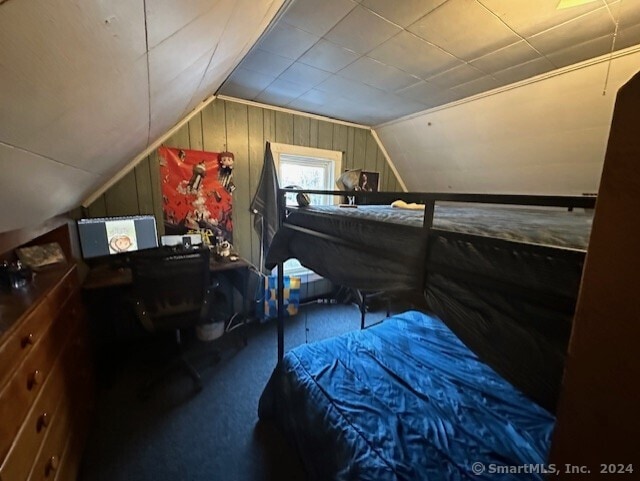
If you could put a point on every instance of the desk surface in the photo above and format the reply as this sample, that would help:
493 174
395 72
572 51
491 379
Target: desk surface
103 276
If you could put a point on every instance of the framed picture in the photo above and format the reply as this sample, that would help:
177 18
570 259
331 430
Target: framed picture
369 181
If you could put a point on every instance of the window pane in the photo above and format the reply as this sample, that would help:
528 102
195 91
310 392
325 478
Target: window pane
306 176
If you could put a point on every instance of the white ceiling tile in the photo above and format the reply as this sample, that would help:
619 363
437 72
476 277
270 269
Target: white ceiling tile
266 63
26 107
626 12
166 17
31 199
476 86
361 31
428 94
311 100
240 23
328 56
288 41
595 24
456 76
122 102
457 26
584 51
246 80
443 97
523 71
628 37
377 74
514 54
304 74
404 12
414 55
419 91
240 91
527 18
179 52
61 45
284 89
306 15
349 89
169 102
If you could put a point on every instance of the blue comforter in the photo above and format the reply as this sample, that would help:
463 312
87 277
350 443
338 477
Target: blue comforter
403 400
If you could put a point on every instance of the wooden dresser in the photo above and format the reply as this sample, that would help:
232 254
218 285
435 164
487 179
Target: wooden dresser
46 378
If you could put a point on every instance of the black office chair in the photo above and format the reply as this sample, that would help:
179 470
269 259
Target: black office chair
172 291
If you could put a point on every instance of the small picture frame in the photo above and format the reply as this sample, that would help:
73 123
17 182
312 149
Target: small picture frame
369 181
41 256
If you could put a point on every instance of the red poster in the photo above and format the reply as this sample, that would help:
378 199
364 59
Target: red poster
196 192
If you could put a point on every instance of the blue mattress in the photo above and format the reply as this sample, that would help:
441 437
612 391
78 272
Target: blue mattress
403 400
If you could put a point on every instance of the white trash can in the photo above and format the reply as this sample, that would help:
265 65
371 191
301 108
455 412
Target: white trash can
210 331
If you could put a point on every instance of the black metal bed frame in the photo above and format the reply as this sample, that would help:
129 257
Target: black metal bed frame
429 200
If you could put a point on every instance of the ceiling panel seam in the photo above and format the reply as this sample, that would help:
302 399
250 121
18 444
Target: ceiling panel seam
608 57
138 158
51 159
514 32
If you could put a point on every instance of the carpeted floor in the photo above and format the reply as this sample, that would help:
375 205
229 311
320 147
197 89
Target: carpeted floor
176 434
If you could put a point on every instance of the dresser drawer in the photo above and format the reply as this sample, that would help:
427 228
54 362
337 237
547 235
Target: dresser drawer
48 461
71 411
19 461
32 328
20 392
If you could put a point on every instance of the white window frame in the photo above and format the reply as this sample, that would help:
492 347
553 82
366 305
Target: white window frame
306 155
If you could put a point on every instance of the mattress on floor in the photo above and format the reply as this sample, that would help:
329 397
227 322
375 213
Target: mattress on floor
403 400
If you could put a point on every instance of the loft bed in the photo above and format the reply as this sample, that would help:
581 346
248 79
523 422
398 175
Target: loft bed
501 271
476 378
402 400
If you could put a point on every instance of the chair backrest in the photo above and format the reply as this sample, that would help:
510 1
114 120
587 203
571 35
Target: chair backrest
171 288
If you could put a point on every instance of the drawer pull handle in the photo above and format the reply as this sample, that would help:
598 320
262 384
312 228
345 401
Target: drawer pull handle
43 421
35 379
28 340
52 465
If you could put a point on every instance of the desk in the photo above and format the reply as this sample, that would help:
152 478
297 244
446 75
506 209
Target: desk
106 291
105 276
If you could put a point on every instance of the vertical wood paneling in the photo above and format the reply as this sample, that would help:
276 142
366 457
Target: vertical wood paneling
143 187
341 141
122 198
350 147
195 132
180 139
371 154
359 148
156 191
214 127
238 143
98 208
325 135
244 131
269 117
313 133
301 130
284 127
256 161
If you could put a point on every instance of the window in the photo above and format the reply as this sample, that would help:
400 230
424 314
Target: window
309 168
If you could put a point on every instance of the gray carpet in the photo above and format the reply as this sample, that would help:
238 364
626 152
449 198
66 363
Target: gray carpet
176 434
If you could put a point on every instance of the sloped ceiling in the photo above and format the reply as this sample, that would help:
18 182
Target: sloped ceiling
86 85
372 61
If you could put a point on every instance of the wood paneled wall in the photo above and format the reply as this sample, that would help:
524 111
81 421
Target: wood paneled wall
243 130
